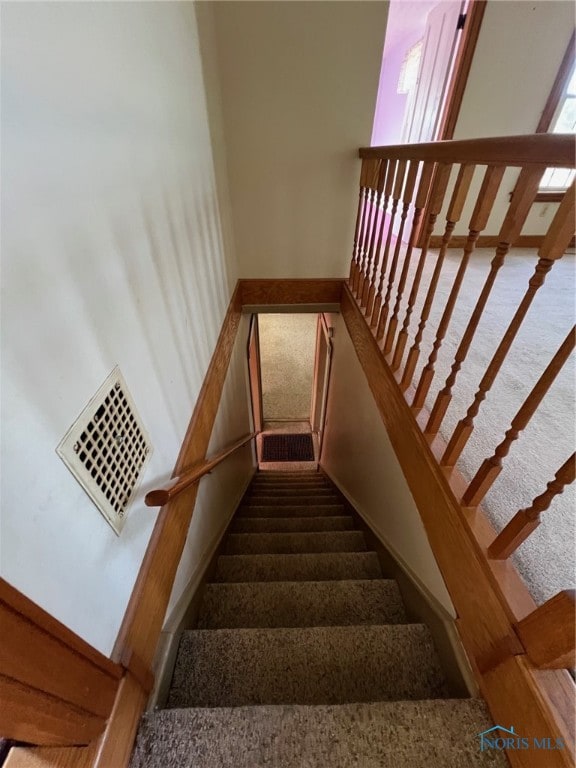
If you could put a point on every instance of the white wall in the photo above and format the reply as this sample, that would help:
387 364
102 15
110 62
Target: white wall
358 455
298 84
517 57
112 254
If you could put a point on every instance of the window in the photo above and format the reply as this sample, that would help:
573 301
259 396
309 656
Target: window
563 121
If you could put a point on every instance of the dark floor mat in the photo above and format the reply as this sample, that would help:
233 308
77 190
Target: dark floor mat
287 448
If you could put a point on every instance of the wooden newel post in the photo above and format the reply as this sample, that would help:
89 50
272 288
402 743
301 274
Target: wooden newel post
548 633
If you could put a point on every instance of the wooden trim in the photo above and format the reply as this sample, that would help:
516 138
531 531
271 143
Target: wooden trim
489 596
558 88
39 702
552 150
539 704
147 606
492 241
195 443
29 714
489 241
462 66
161 496
255 373
464 575
286 292
548 633
113 749
548 197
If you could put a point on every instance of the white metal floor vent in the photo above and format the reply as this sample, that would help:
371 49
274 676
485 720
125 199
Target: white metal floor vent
107 448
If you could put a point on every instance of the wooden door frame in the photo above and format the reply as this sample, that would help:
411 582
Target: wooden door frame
464 57
457 86
321 381
255 373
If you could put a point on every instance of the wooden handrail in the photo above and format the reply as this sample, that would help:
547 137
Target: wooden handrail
548 149
465 182
161 496
548 632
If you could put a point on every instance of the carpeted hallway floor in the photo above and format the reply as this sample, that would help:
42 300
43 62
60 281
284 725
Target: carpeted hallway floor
547 559
287 348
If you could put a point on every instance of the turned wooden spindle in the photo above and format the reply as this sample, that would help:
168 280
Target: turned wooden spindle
369 233
408 193
364 286
439 186
394 263
516 215
390 170
479 219
553 247
527 520
359 223
370 182
394 170
491 467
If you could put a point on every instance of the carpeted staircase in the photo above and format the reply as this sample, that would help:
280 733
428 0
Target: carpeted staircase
303 656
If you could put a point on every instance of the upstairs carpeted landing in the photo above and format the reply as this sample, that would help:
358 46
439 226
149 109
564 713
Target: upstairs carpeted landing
303 656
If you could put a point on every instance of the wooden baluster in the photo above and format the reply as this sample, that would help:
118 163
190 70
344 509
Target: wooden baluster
529 182
390 170
375 228
371 182
398 185
527 520
491 467
362 194
388 187
439 187
478 221
555 243
407 199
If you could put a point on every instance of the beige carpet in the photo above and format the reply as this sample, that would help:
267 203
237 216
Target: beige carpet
547 559
287 347
303 660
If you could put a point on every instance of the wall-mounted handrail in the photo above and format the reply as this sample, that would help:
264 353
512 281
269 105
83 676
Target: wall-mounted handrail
161 496
548 149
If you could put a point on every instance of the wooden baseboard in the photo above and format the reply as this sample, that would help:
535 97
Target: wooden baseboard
489 241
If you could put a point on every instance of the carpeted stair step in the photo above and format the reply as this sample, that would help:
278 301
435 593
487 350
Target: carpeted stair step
301 604
288 524
290 510
293 543
309 567
406 734
289 492
260 500
290 473
311 665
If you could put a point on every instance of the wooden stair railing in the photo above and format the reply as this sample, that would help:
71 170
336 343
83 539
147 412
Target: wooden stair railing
459 176
54 687
161 496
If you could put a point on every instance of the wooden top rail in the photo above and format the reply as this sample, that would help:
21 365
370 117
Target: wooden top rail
161 496
546 149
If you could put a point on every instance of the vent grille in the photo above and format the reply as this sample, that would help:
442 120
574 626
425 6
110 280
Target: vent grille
107 449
